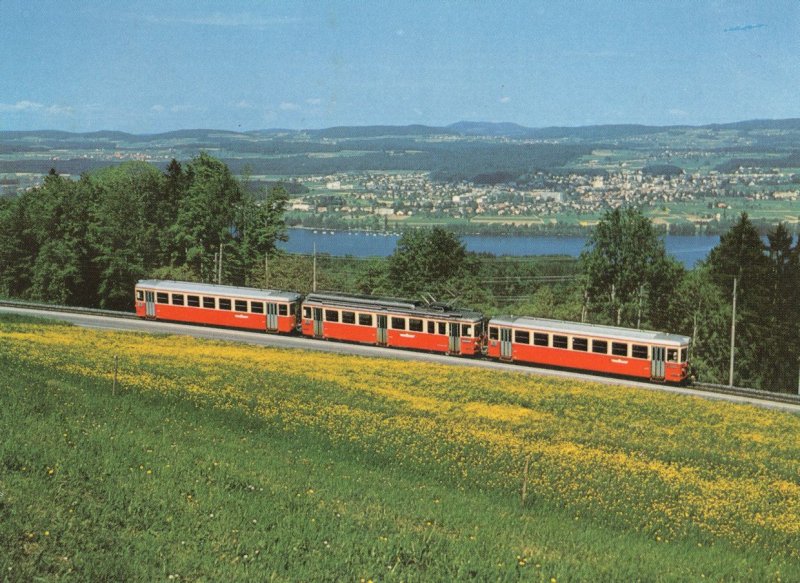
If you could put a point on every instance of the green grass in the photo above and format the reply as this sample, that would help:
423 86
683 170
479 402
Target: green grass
148 486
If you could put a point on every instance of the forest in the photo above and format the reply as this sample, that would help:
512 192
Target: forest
86 242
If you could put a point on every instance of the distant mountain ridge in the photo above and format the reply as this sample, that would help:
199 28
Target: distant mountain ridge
461 128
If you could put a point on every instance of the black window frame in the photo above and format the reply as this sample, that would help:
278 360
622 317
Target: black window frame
442 326
365 319
560 341
675 354
415 325
162 298
494 333
331 315
307 312
177 300
580 344
193 301
283 310
466 330
431 327
642 350
541 339
209 303
240 306
348 317
257 307
395 322
225 304
616 349
139 295
598 344
522 337
684 356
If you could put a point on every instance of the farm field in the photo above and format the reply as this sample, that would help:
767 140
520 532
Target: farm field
218 461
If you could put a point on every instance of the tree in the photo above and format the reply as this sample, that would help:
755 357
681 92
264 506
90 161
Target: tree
742 255
430 261
630 277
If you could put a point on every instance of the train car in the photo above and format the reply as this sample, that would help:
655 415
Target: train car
606 349
392 322
218 305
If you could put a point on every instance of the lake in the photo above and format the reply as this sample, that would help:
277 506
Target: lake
686 249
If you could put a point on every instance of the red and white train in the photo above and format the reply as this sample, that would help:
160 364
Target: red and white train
435 327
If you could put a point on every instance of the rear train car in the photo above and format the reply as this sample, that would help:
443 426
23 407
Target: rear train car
606 349
218 305
392 322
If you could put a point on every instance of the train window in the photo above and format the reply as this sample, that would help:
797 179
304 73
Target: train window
581 344
365 319
210 303
177 299
306 312
684 354
560 341
224 304
493 334
638 351
431 327
257 307
331 316
292 309
139 295
478 329
619 349
522 337
193 301
349 317
415 325
283 310
240 305
541 339
600 346
466 330
672 355
162 298
399 323
442 328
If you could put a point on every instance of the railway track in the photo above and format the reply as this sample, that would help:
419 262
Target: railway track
711 389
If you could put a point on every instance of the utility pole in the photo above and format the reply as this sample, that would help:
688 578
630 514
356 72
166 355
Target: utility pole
733 333
266 270
314 281
219 276
216 268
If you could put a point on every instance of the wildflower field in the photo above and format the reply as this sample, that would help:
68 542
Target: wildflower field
215 461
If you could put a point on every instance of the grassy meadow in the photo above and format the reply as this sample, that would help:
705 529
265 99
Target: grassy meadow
215 461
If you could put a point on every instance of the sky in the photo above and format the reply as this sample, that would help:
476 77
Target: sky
149 67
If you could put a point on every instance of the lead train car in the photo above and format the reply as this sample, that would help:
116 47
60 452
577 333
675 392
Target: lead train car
392 322
218 305
620 351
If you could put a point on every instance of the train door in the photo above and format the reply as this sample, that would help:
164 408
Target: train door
150 304
317 322
505 343
454 344
272 317
657 363
383 332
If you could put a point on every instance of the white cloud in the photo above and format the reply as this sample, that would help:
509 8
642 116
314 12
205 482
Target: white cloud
314 101
678 112
288 106
26 106
504 99
242 19
158 108
186 108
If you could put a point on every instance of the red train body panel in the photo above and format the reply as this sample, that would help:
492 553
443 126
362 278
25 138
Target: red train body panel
605 349
218 305
436 328
393 323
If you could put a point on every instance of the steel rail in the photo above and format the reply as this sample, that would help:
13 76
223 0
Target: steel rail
770 396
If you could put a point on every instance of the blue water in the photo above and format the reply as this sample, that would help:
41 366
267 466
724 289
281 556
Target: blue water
686 249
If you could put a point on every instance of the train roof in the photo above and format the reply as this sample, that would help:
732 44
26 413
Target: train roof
218 290
610 332
396 305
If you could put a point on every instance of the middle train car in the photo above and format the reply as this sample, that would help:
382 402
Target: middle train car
392 322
